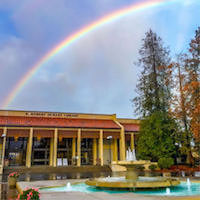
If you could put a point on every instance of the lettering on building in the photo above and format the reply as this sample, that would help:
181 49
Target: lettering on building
42 114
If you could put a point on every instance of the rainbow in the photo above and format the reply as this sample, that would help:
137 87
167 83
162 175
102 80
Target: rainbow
76 36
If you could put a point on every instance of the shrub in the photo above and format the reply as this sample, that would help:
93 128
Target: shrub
165 163
29 194
152 167
14 175
140 167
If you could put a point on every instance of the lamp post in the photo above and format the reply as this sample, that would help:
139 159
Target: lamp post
110 138
176 146
3 135
3 151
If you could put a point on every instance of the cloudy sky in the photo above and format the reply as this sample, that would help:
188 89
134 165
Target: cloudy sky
97 73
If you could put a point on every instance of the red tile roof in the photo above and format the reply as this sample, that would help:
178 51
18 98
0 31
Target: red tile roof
131 127
57 122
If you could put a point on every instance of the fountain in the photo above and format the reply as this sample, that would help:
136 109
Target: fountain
167 191
180 190
188 182
68 186
158 185
130 155
132 180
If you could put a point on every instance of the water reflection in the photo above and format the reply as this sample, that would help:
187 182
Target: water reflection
6 193
61 176
84 175
3 190
79 175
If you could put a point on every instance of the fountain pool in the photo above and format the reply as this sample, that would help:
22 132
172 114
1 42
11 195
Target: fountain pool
182 189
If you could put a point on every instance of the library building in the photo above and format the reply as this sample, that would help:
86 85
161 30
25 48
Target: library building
30 138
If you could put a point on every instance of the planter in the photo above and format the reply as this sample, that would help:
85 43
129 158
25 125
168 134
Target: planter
166 174
12 182
147 173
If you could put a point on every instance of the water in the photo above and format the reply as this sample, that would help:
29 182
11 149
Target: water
5 191
167 191
130 155
180 190
60 176
188 182
69 187
83 175
81 187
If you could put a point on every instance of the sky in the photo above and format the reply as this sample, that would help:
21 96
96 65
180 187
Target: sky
97 73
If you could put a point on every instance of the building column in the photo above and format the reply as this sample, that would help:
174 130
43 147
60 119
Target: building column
101 147
51 152
73 148
29 148
55 143
94 151
114 147
132 142
121 141
79 148
3 149
122 145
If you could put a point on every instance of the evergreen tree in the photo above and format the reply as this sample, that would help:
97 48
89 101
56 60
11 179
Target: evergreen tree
154 83
157 129
157 133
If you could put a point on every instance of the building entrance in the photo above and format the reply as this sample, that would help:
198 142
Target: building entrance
64 154
40 151
107 152
86 151
15 153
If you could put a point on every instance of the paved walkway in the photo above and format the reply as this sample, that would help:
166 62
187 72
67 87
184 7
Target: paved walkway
91 196
106 196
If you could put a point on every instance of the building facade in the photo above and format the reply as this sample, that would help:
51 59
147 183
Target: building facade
30 138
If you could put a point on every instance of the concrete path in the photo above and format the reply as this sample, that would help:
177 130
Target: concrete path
106 196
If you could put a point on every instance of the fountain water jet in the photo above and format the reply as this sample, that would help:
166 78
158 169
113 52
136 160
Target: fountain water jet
167 191
188 182
130 155
69 186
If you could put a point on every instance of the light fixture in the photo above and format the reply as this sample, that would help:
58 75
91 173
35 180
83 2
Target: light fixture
3 135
